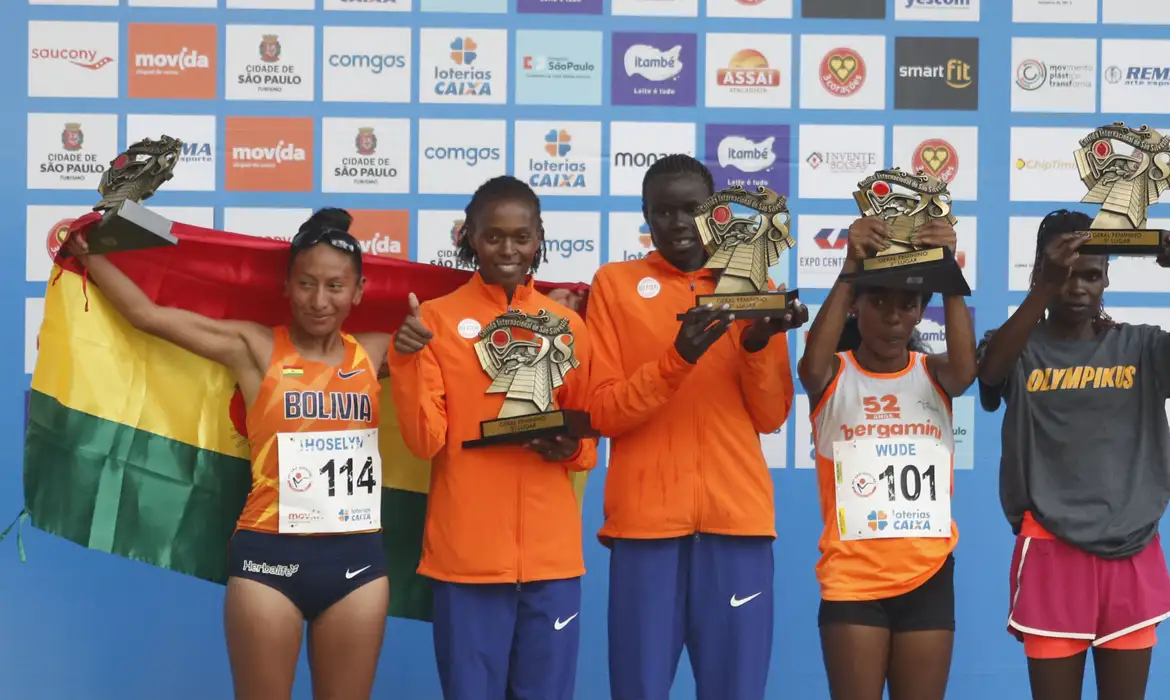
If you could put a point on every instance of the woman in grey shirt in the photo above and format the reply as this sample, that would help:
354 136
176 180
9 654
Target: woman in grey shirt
1084 472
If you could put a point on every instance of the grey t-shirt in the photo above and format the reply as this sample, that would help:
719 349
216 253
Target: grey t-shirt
1086 446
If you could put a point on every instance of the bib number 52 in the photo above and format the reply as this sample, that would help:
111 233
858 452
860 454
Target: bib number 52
911 481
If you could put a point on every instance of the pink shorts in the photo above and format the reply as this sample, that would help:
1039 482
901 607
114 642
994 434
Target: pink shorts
1061 592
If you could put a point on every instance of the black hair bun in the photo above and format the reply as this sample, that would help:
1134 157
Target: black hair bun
330 217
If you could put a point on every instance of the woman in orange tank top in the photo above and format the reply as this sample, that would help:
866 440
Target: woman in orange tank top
308 546
886 576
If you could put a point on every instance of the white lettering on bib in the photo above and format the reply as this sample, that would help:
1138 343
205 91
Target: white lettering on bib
888 489
329 482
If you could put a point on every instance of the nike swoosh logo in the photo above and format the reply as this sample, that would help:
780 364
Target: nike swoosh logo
559 625
736 602
347 375
351 574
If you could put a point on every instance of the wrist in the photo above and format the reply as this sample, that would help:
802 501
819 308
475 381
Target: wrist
849 266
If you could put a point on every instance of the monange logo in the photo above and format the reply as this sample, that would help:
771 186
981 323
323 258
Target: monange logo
173 61
938 158
842 72
748 71
636 160
463 79
269 154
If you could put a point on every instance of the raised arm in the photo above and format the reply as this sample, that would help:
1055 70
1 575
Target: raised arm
1004 347
766 378
241 346
955 371
819 363
416 383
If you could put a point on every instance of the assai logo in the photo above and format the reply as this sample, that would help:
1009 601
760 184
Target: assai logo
371 63
364 167
270 74
748 71
461 77
72 163
938 158
557 170
842 72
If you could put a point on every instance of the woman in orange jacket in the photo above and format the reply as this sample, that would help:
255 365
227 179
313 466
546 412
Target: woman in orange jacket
503 532
689 514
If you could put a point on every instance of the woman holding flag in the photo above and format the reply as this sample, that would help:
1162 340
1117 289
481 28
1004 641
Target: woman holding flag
311 393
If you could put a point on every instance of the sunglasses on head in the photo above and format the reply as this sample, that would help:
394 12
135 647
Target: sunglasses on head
342 240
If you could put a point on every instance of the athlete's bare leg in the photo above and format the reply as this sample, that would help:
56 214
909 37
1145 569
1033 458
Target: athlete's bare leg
264 631
345 642
1122 673
920 663
856 658
1057 679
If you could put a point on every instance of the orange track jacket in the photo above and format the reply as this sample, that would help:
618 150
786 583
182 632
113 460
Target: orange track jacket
495 514
685 453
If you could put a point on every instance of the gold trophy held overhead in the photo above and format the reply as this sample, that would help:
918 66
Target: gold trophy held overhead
1126 171
131 178
907 203
744 234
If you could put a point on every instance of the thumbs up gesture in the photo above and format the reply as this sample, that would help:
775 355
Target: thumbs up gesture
412 336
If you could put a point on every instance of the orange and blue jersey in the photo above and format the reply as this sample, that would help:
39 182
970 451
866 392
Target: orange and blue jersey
298 396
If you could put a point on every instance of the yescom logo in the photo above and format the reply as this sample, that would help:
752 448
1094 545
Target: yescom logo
172 61
748 71
269 154
464 78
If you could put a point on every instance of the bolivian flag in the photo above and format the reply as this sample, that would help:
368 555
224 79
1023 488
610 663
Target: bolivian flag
135 447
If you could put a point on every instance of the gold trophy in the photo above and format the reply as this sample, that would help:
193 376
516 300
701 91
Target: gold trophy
527 358
907 202
743 247
1126 170
132 178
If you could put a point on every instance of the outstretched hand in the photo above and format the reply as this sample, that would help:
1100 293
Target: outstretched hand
555 449
1059 256
701 327
412 336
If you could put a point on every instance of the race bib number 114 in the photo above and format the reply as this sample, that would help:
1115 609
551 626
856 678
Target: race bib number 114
329 482
889 489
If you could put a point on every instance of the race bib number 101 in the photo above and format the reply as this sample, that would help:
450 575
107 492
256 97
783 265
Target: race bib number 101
330 482
890 489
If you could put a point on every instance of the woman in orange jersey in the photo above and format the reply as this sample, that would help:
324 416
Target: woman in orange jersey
689 512
503 533
312 397
882 429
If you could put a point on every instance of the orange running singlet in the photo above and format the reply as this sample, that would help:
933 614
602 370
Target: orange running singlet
314 435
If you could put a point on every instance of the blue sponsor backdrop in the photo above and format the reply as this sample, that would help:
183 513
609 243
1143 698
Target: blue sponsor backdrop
78 624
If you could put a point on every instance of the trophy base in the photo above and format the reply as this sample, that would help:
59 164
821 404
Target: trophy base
129 226
1116 241
520 429
928 270
750 305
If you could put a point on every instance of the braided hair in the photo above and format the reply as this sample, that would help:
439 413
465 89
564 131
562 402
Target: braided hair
672 166
1058 223
497 189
